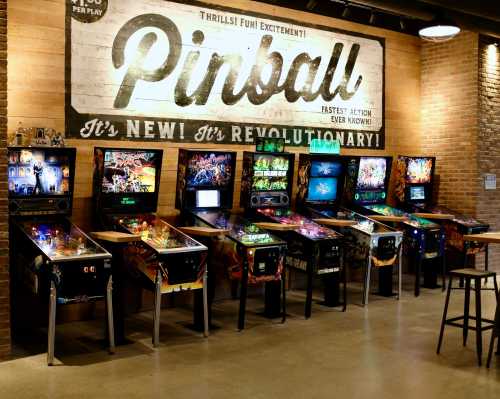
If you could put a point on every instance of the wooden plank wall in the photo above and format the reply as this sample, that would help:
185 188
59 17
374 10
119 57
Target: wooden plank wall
36 89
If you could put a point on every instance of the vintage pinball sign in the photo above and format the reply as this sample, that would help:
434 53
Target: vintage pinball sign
168 71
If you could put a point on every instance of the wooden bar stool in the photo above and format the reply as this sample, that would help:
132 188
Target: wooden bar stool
494 334
468 275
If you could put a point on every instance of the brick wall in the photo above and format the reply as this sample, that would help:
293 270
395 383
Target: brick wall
4 235
449 98
488 205
460 98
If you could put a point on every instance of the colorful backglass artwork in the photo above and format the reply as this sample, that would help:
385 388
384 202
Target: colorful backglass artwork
372 173
325 169
37 172
419 170
209 169
270 173
129 171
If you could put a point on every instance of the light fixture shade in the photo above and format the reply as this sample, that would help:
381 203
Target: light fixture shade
439 30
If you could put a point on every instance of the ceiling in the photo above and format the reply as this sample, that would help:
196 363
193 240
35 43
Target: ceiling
407 16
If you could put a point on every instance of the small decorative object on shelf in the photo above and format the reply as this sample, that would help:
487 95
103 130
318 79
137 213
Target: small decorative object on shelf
57 140
20 136
42 137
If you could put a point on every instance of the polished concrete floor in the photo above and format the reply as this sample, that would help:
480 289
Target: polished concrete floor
386 350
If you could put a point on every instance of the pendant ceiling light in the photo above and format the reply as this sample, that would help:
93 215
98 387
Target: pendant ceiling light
439 30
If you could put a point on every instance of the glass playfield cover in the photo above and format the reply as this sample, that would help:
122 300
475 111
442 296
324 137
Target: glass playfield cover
62 241
240 229
307 227
158 234
413 221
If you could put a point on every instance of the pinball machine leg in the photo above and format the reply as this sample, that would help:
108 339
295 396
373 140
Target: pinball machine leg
205 303
344 281
418 272
156 316
309 292
400 271
366 292
52 324
365 270
109 306
243 296
283 294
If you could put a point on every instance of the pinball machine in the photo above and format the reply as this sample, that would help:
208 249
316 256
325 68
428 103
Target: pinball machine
366 190
205 182
367 242
267 180
164 260
52 260
415 186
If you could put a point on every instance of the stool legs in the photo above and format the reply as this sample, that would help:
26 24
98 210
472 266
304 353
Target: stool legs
477 277
494 333
495 284
443 271
479 333
445 312
490 351
465 330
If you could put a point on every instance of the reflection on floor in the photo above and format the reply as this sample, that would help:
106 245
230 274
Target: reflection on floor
386 350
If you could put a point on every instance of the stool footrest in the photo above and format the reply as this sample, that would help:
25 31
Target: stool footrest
473 328
473 288
453 320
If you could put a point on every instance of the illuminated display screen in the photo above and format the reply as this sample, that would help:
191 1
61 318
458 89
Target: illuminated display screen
270 173
269 145
419 170
417 193
372 172
38 172
325 169
128 201
130 171
209 170
322 189
207 198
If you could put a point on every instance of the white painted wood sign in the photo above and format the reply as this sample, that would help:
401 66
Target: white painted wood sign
169 71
